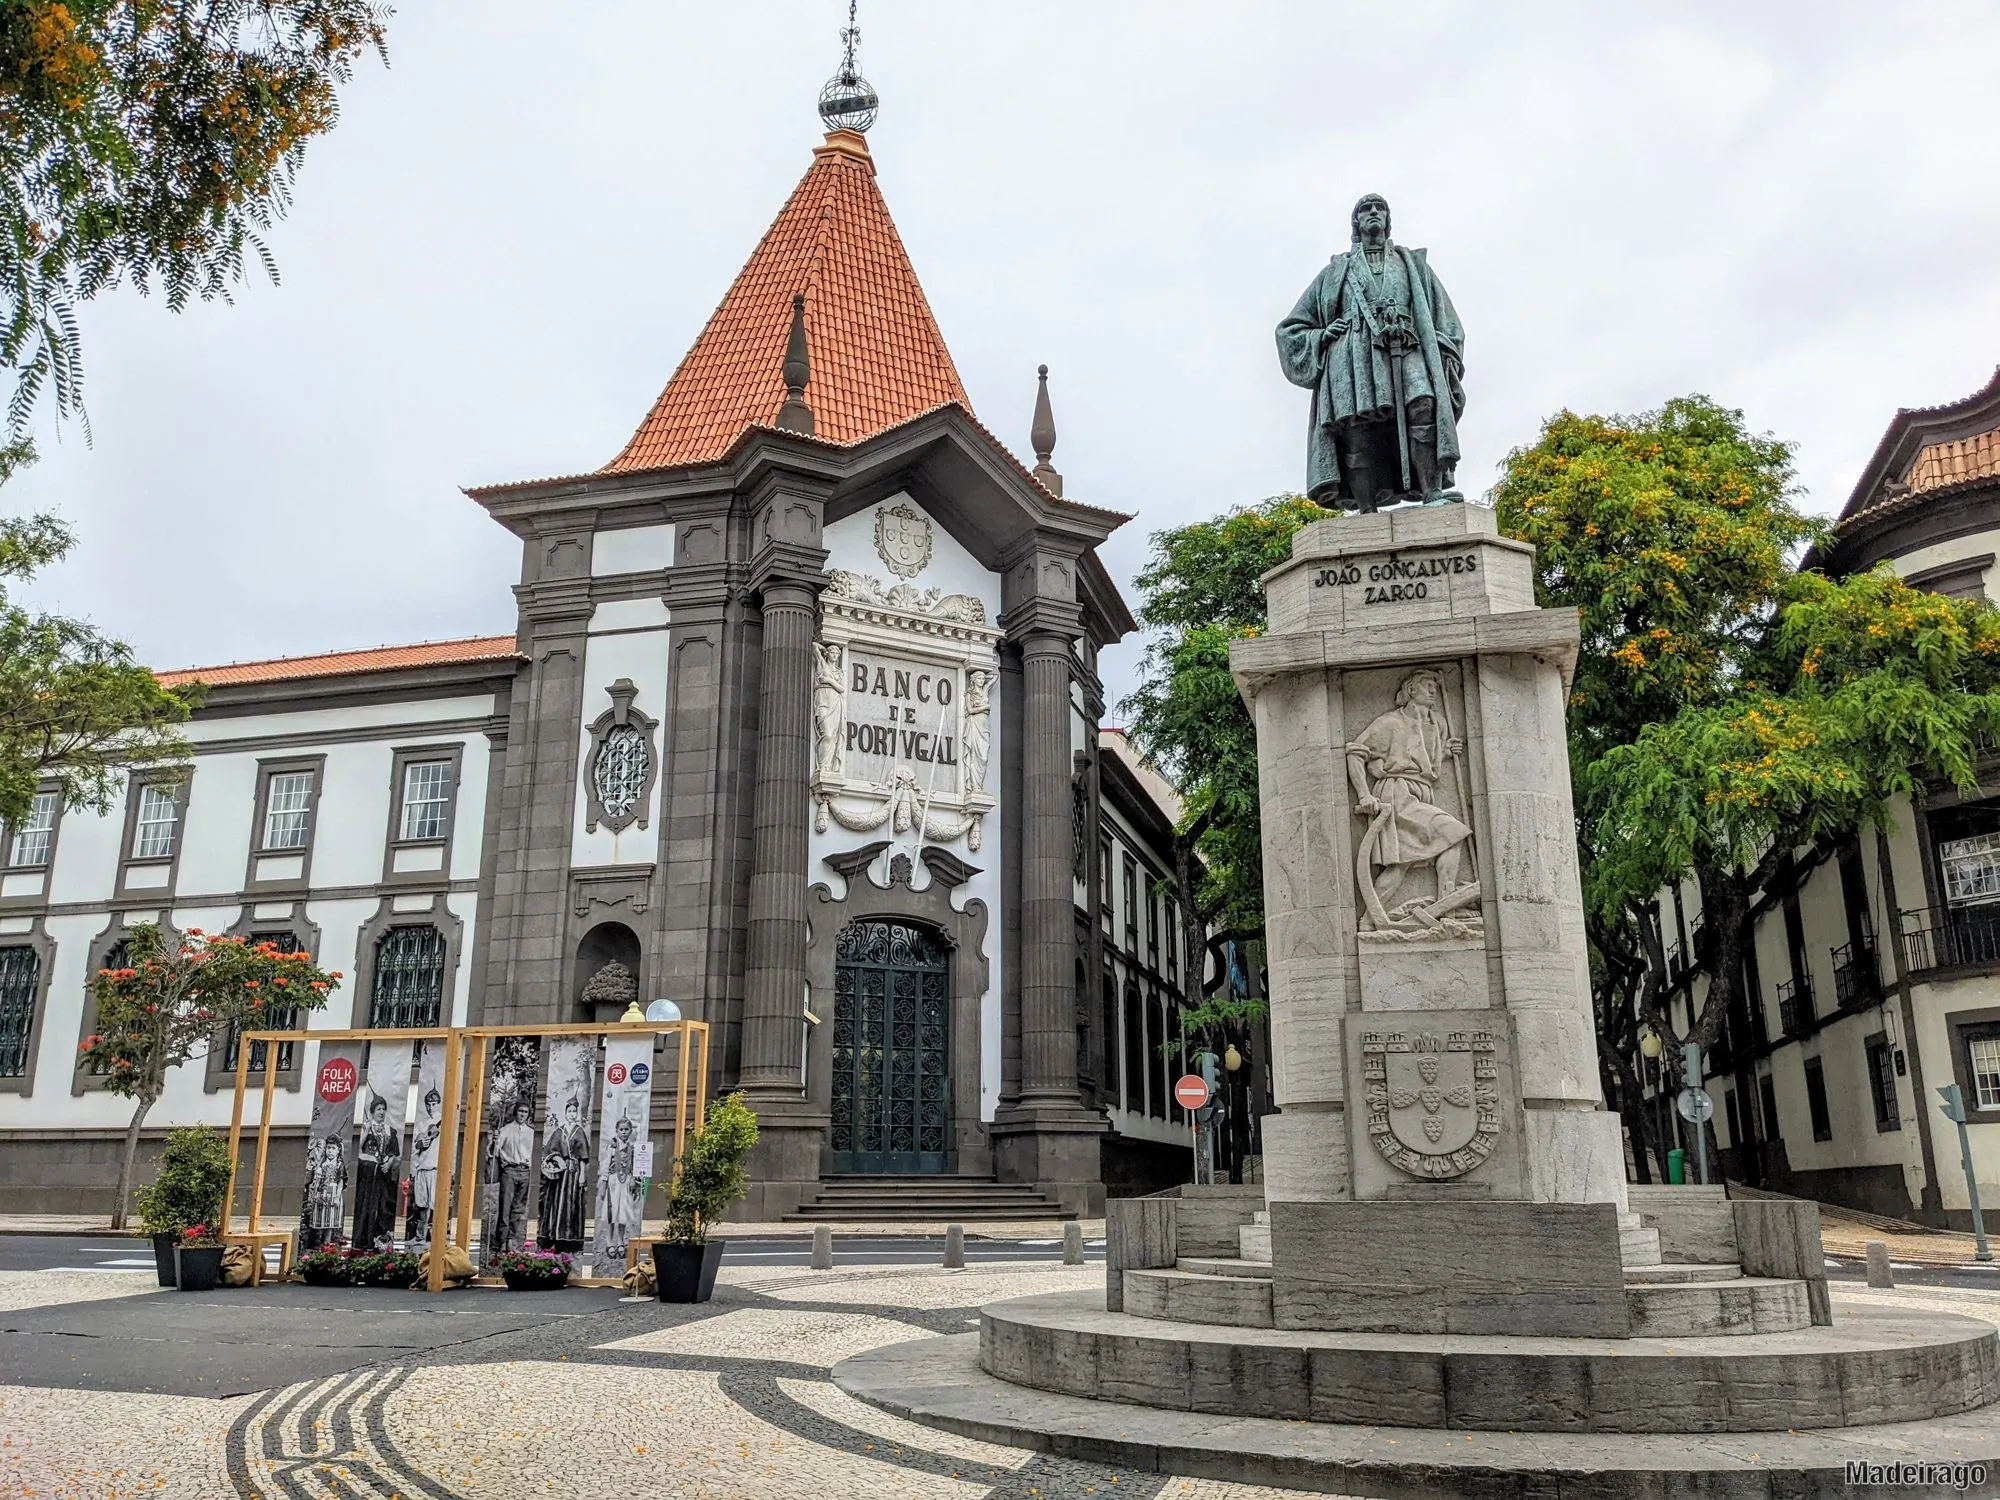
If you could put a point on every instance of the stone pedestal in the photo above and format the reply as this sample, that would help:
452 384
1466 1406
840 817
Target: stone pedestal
1431 1019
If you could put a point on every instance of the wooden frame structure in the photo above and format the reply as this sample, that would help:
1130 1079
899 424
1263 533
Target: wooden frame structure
466 1050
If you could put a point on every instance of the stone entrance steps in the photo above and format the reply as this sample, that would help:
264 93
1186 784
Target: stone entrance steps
954 1199
1665 1301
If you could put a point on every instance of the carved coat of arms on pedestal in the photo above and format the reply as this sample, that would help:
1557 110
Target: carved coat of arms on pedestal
1433 1100
904 689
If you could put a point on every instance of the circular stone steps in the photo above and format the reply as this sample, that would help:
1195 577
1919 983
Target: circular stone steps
938 1382
1205 1265
1695 1309
1186 1297
1664 1274
1873 1367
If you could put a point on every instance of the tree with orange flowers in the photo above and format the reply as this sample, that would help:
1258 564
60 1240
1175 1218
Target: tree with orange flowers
174 1000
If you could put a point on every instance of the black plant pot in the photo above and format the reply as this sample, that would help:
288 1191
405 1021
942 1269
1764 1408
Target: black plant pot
686 1273
198 1268
163 1256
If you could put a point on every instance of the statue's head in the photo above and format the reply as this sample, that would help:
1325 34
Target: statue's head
1370 219
1420 688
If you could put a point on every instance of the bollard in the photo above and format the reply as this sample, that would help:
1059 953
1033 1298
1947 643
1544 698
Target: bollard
1072 1244
822 1248
954 1247
1879 1273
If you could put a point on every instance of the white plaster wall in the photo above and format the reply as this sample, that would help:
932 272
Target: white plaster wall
850 545
631 549
1980 543
628 638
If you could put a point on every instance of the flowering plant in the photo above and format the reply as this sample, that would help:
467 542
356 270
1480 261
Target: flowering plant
326 1265
393 1268
173 999
200 1235
533 1267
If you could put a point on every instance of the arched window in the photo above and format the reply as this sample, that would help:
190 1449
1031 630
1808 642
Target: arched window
275 1018
20 982
408 988
115 957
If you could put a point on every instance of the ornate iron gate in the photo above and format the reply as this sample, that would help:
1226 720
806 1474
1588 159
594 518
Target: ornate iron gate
891 1050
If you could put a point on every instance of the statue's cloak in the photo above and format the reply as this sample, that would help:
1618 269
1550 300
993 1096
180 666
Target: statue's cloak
1349 376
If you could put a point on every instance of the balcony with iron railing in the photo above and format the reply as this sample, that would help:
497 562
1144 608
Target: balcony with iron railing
1857 976
1946 938
1795 1006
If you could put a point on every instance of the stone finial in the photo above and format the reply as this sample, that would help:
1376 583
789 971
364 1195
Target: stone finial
1043 434
795 415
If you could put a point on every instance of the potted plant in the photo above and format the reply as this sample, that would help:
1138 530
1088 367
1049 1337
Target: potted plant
193 1181
533 1270
325 1265
711 1176
198 1259
390 1268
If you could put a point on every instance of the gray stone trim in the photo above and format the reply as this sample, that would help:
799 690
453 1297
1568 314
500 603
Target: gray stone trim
40 900
489 861
440 915
45 956
216 1076
82 1081
308 738
266 769
620 714
128 839
401 756
963 932
1959 1027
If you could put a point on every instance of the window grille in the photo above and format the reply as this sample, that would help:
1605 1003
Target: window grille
1985 1052
426 798
159 820
287 808
20 978
1882 1085
115 957
31 841
274 1018
409 978
623 761
1971 869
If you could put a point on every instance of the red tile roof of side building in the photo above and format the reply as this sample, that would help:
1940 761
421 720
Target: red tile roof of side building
876 355
494 648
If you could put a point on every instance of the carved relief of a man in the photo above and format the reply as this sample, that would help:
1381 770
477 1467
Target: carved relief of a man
1395 766
829 710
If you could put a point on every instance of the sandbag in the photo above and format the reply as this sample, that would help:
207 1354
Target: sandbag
238 1262
639 1280
458 1267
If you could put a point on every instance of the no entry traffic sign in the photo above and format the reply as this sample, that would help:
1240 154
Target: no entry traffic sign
1191 1092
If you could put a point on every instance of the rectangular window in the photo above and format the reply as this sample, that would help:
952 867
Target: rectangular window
1822 1122
31 842
1882 1084
1767 1094
1971 869
20 984
1104 885
1984 1052
426 799
1152 923
1131 904
159 821
288 810
1173 938
1735 1119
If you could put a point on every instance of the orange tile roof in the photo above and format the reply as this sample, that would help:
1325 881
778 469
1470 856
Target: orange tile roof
343 663
1941 465
877 356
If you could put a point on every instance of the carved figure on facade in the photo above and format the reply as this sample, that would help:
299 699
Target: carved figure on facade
1395 766
905 812
1433 1101
976 735
829 709
902 539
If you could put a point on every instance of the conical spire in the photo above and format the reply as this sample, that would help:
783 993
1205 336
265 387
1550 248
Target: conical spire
1043 435
795 415
877 356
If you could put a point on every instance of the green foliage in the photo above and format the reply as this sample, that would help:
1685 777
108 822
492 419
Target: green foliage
390 1268
152 140
712 1174
193 1182
1672 533
1199 593
172 1000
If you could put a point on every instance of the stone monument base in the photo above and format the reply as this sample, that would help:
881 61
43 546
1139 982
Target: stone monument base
939 1383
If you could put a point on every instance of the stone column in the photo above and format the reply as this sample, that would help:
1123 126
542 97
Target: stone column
1048 927
773 1038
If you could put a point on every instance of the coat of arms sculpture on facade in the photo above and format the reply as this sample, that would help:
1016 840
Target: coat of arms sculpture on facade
903 540
1433 1101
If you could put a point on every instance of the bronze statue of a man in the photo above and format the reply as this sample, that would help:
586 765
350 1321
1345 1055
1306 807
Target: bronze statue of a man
1378 343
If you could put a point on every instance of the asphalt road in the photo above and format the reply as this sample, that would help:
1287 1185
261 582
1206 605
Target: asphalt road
24 1252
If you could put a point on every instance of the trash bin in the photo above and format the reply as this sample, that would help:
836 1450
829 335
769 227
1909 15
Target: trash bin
1677 1166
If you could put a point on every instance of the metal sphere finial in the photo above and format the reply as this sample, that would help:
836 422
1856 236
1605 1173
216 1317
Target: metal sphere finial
848 102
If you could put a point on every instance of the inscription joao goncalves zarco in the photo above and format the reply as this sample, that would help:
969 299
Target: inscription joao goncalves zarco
1396 580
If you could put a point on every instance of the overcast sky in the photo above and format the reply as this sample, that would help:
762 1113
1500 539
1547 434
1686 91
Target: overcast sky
497 259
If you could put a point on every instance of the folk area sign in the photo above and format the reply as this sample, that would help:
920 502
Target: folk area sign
1191 1093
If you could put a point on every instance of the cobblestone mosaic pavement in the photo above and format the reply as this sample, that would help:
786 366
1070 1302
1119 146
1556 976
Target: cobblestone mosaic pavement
730 1399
